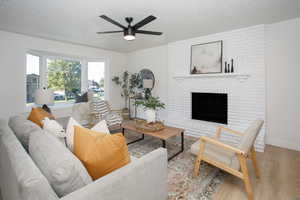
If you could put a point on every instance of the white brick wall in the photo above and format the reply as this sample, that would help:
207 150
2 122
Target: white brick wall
246 100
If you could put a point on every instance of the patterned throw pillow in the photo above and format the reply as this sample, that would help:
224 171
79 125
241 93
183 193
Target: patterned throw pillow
113 119
99 108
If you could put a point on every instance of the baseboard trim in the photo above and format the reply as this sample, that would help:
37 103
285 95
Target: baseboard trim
284 144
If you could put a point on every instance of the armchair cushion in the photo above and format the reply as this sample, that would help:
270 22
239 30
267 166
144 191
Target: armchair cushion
250 135
217 153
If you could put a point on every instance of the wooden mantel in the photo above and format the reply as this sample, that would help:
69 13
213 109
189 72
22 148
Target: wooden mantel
240 76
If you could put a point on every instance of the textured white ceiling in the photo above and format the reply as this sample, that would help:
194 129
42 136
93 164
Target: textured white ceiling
77 21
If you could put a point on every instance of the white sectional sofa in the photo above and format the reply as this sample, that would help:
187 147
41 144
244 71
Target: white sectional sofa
21 179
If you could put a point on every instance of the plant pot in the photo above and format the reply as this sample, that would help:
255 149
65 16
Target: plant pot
125 114
150 115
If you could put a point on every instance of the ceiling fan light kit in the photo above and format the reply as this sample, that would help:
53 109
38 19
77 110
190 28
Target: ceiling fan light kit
129 34
130 31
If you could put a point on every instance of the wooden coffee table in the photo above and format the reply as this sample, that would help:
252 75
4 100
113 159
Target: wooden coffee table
163 135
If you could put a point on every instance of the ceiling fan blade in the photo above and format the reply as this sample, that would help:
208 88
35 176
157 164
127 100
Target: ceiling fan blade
104 32
144 22
148 32
112 21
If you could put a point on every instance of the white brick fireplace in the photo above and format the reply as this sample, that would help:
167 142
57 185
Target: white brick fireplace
245 89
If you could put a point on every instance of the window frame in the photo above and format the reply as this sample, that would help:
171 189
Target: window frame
43 71
106 74
40 72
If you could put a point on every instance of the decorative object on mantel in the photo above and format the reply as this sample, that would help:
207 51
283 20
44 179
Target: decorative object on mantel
128 83
143 125
44 97
206 58
226 69
151 105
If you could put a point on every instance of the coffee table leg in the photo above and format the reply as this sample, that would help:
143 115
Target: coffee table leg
123 131
182 141
143 136
181 148
163 143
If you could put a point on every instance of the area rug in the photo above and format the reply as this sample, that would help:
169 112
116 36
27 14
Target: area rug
181 183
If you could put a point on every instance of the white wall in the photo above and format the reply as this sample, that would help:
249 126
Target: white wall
246 99
154 59
283 83
13 48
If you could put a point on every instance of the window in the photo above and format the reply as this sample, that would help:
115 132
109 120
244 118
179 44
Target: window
64 78
32 76
96 78
67 77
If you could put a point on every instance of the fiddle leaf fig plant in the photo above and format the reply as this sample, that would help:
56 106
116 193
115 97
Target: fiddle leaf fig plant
128 83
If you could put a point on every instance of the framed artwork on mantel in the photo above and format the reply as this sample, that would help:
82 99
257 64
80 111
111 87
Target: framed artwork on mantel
207 58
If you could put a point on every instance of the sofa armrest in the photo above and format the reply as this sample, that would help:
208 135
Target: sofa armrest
145 178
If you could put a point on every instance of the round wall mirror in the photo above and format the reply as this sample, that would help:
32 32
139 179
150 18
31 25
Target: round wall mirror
147 79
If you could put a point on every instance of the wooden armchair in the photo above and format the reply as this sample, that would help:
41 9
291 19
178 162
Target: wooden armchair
228 157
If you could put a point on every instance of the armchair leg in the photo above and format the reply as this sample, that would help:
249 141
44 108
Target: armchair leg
253 158
197 166
199 159
246 178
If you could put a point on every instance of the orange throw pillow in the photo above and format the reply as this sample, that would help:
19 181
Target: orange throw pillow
38 114
100 153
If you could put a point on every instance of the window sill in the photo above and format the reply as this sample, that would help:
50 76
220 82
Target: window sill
57 106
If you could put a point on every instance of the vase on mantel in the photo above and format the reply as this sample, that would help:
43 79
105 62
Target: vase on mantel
150 115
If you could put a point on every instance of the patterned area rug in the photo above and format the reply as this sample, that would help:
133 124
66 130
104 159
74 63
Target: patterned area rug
182 184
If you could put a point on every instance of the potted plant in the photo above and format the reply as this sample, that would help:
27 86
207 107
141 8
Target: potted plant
150 105
128 83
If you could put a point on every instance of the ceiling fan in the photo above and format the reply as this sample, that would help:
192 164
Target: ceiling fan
130 31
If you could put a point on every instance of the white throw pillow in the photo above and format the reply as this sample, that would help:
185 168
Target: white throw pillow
99 127
54 128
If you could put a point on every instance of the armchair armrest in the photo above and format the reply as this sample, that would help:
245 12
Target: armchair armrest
222 145
222 128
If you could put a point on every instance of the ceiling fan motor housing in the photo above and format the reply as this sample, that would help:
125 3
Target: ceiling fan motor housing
129 31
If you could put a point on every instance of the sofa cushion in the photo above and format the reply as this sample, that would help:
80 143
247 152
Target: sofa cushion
100 153
20 177
37 115
62 169
100 127
22 128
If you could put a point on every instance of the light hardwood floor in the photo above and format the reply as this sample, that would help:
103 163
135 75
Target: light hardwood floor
280 178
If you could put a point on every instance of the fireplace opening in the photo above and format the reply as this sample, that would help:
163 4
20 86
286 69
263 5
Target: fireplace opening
210 107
